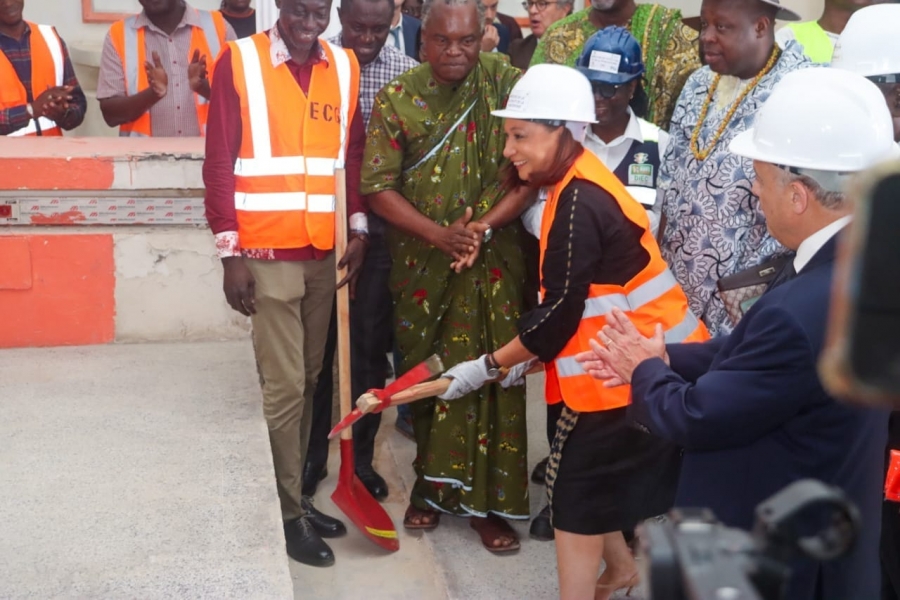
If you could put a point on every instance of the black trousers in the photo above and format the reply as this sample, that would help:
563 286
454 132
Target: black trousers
371 330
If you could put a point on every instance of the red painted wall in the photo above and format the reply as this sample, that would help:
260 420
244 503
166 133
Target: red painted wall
56 290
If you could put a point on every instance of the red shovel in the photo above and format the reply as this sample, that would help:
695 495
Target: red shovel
375 401
351 496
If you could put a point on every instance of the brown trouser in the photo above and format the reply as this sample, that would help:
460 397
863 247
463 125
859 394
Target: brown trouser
293 308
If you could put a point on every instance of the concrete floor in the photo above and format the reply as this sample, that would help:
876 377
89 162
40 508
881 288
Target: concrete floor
143 471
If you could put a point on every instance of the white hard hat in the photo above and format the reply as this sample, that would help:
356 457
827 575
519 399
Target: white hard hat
870 42
551 93
824 120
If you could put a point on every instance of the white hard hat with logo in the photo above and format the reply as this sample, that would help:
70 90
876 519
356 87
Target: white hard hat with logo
845 128
551 93
870 42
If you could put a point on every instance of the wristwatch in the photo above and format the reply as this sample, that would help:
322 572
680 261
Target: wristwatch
493 369
488 234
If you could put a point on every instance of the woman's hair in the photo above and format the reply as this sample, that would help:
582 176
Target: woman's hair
566 154
640 102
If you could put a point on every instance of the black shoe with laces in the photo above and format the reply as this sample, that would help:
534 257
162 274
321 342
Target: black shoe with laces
374 482
305 545
325 526
541 529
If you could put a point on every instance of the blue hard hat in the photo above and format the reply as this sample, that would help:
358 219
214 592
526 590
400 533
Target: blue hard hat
611 55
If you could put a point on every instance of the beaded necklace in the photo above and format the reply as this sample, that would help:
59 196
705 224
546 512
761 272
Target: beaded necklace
695 135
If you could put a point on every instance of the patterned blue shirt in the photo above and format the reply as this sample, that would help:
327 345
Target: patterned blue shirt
714 226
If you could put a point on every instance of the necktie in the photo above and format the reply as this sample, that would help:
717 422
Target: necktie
395 33
786 273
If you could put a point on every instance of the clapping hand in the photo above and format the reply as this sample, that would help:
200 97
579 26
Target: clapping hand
198 74
623 348
157 76
53 103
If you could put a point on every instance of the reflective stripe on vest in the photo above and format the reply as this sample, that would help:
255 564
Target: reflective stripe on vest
651 297
31 129
42 36
285 185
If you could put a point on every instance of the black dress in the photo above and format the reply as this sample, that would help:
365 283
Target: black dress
611 475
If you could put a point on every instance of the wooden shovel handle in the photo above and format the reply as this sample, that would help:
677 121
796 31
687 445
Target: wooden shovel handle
343 298
368 403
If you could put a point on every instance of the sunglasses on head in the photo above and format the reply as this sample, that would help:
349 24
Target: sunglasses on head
605 90
895 78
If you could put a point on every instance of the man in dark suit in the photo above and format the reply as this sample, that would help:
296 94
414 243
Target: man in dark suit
404 34
748 408
497 36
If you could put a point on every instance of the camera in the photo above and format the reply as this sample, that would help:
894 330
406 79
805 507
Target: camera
691 556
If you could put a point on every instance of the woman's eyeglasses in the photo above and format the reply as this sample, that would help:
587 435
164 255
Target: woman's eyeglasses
541 5
604 90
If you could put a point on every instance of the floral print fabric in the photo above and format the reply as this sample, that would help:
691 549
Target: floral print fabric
441 149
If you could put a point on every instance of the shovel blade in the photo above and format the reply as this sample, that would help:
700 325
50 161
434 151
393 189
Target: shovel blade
355 501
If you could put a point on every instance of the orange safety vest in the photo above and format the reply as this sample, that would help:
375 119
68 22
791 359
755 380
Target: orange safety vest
652 296
46 72
128 40
291 145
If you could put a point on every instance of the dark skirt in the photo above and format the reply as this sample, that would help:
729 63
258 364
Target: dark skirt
612 476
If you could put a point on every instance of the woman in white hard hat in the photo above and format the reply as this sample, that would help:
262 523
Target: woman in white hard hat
597 252
870 46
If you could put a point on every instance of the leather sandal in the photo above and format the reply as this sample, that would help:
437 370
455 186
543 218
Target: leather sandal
493 528
417 513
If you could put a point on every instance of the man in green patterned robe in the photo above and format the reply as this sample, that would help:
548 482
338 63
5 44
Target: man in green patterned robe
670 47
433 168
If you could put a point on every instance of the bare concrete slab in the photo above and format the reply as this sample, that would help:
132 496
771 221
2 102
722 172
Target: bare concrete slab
137 471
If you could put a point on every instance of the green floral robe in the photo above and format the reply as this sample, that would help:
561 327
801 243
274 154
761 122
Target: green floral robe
442 150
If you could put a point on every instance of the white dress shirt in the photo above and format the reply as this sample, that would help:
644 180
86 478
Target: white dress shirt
814 243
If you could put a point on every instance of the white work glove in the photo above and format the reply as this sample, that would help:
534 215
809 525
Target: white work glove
516 375
466 378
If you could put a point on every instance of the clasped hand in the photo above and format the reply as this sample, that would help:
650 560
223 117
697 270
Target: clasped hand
620 350
461 241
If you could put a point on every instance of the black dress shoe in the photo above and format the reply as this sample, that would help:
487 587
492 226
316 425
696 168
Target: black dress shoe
539 473
312 475
541 529
325 526
373 481
305 545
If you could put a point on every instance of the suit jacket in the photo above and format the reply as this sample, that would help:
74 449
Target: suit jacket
503 34
411 27
521 51
515 32
752 417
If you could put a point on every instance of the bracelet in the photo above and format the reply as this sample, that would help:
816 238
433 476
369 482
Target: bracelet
492 362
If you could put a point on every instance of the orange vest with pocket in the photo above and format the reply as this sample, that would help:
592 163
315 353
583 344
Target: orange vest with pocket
652 296
291 145
128 40
46 72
